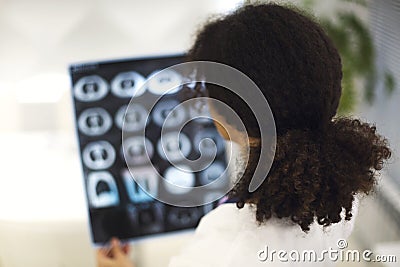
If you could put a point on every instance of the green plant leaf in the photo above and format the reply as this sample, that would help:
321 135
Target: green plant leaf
358 2
348 97
362 53
355 45
390 82
308 4
370 83
339 37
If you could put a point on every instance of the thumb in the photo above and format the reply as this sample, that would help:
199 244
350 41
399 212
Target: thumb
116 248
103 260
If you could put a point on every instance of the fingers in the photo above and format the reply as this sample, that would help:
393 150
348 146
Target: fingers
103 260
113 256
116 248
126 249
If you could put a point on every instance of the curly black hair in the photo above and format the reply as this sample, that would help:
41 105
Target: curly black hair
321 161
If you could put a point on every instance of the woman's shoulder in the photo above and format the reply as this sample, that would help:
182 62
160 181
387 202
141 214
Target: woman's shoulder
228 221
229 236
225 217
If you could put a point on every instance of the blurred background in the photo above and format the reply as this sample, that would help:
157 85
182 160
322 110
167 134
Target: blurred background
43 220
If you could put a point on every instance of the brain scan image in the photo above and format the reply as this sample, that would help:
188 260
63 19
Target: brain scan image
102 190
128 84
135 118
215 175
179 217
169 114
136 138
90 88
208 142
94 121
174 146
98 155
179 180
151 218
138 150
169 82
141 185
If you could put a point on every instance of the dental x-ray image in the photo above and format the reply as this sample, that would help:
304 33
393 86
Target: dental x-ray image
117 205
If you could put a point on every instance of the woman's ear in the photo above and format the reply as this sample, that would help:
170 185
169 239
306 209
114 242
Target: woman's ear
222 130
227 131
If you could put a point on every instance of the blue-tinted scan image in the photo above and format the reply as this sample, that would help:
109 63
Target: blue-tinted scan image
117 205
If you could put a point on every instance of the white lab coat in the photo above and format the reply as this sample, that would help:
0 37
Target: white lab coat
231 237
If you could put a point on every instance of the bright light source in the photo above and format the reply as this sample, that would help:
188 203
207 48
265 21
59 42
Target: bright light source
226 6
5 87
43 88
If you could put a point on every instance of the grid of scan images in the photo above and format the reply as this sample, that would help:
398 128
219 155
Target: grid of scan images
117 205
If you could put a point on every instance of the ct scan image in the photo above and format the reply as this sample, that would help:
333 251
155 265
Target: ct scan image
117 205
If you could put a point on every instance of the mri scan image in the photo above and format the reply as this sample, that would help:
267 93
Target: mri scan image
135 117
181 176
143 187
98 155
102 190
166 83
174 146
127 84
169 114
139 150
90 88
94 121
122 182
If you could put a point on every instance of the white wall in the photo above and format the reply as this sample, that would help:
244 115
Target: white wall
43 218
